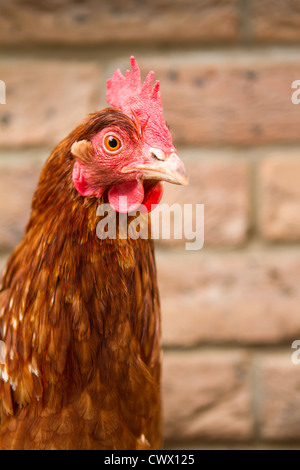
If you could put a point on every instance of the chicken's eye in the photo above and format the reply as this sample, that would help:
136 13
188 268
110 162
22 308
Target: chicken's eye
112 143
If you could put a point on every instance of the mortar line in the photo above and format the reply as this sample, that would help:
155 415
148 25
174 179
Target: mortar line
246 23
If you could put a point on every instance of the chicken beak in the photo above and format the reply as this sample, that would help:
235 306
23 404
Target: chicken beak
164 167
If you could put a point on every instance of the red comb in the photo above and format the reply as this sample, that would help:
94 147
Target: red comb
140 100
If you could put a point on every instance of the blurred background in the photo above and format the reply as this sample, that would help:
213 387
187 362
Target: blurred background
232 310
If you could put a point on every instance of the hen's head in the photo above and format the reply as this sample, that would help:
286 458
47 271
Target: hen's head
129 152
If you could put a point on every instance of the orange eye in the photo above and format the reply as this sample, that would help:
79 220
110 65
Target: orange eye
112 143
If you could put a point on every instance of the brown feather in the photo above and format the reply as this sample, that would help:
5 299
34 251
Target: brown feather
81 322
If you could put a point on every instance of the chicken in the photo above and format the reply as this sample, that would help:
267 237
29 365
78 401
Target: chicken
80 314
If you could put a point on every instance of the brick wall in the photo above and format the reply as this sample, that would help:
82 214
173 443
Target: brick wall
231 310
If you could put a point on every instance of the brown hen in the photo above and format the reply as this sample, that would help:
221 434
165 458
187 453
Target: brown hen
79 313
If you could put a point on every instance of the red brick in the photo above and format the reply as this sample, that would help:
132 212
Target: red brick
91 21
223 186
278 389
280 198
276 20
46 99
229 298
242 102
207 396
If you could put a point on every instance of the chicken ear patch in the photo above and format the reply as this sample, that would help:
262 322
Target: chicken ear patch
84 154
80 182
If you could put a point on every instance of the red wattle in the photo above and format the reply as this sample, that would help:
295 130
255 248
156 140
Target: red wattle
153 197
126 197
